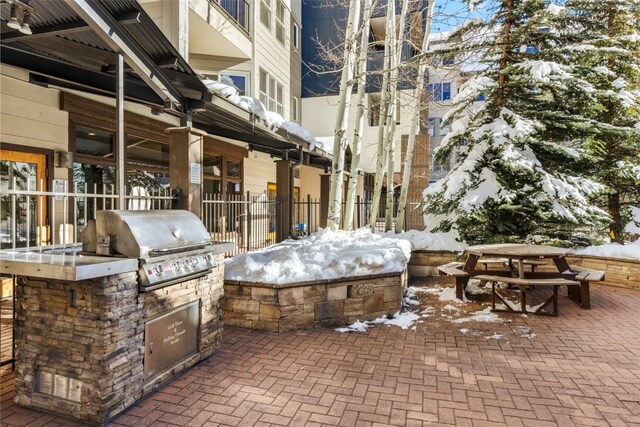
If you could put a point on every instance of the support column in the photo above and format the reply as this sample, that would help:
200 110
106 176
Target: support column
121 165
185 166
325 185
284 197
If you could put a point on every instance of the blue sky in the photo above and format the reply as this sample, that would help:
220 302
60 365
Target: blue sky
449 13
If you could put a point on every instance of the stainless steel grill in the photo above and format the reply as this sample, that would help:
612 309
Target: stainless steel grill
171 245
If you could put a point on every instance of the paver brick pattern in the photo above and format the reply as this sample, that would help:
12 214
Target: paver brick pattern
581 368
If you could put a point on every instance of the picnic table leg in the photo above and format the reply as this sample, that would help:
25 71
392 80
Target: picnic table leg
523 298
461 283
585 297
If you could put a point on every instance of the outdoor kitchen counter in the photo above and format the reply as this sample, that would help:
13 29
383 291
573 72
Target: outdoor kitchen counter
68 267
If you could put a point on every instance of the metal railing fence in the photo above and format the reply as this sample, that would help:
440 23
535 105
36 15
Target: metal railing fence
238 10
32 218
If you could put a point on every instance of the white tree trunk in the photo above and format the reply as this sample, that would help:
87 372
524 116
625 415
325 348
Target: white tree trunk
342 115
356 145
381 160
415 118
391 117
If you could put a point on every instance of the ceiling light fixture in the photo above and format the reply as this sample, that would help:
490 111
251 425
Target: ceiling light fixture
13 20
25 29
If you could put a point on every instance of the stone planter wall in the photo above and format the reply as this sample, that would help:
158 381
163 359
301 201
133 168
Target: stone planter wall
293 306
90 334
617 272
425 263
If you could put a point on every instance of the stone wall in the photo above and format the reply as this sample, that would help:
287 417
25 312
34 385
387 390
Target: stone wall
91 335
281 308
617 272
425 263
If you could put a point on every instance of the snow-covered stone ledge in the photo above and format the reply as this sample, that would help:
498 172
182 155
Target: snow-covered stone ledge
330 278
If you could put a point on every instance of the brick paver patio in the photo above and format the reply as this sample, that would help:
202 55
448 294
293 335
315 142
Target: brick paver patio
581 368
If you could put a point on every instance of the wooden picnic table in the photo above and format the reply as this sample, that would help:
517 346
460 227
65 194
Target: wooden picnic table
576 279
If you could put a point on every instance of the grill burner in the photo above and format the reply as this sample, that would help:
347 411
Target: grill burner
171 245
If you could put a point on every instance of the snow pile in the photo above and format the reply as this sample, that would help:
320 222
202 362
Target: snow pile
495 336
402 320
430 241
324 255
613 250
227 90
325 143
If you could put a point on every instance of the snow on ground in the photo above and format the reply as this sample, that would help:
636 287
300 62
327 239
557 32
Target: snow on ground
404 320
323 255
449 295
480 316
430 241
495 336
613 250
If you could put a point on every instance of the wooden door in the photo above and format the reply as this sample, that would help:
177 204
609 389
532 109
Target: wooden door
22 218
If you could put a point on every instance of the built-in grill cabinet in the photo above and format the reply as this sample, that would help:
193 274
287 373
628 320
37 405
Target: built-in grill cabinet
99 329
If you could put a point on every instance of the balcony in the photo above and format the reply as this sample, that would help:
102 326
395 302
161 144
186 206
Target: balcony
237 10
220 29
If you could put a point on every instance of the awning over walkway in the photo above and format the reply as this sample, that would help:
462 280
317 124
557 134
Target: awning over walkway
74 44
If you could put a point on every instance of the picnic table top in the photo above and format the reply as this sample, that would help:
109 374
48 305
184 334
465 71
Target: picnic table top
517 250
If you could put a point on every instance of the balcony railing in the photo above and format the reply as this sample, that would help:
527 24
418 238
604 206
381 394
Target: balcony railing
237 10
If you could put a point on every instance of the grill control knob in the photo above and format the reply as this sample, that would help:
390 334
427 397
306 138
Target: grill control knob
158 268
179 265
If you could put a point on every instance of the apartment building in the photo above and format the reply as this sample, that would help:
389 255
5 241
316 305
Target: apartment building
322 21
254 44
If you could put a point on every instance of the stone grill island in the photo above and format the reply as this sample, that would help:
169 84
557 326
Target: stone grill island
93 337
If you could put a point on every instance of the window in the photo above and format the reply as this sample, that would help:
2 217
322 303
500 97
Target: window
240 82
295 108
221 175
271 93
432 126
480 97
295 35
265 13
440 91
449 60
280 9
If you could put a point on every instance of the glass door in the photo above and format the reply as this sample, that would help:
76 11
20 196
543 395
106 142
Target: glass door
22 217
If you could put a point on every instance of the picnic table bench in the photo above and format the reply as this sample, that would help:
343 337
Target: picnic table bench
517 256
524 285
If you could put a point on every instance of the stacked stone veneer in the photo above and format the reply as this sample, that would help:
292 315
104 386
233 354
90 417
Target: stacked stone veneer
617 272
100 341
291 306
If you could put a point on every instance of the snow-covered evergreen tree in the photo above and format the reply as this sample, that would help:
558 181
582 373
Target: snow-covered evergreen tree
523 174
604 45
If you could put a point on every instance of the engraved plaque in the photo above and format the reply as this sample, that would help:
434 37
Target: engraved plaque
171 338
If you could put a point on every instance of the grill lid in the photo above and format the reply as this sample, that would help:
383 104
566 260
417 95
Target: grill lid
148 233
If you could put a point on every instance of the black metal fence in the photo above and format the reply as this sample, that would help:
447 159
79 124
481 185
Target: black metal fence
249 222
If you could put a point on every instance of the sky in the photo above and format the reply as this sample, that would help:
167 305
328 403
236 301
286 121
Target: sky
450 13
